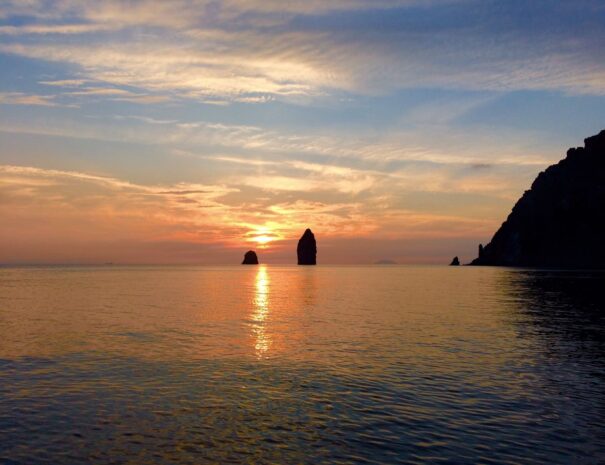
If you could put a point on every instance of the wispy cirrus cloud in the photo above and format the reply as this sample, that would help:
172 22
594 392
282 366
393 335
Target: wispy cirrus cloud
76 206
203 139
256 51
21 98
81 206
65 83
53 29
77 89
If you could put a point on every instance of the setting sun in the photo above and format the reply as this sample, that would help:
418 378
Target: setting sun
262 236
264 239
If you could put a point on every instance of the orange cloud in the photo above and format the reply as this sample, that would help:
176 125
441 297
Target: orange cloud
56 212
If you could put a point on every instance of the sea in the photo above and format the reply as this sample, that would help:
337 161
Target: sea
301 365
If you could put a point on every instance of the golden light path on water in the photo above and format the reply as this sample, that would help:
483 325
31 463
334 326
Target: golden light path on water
261 312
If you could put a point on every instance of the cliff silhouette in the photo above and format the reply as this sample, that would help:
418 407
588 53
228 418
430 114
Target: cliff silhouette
560 221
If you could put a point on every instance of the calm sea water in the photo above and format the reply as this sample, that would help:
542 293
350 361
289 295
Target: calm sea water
295 365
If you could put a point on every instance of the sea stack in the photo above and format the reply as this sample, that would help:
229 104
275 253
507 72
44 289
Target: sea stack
560 221
307 249
250 258
455 262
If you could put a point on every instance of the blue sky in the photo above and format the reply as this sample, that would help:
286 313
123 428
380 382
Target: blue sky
395 129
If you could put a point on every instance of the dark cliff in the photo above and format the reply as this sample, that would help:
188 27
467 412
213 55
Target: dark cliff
307 249
250 258
560 221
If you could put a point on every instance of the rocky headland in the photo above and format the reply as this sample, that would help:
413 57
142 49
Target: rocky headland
560 221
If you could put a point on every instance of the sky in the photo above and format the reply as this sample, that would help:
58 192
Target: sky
190 131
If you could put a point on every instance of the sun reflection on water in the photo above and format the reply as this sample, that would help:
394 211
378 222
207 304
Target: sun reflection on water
261 312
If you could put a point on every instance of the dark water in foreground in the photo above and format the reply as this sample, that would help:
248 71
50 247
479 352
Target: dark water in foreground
272 365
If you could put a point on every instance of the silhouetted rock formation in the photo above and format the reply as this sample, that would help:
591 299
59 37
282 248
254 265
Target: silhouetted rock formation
250 258
560 221
385 262
307 249
455 262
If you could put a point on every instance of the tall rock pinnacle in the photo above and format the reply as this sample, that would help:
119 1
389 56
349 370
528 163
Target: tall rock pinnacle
307 249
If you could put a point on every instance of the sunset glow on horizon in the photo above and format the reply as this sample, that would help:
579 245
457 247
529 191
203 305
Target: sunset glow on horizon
194 130
262 240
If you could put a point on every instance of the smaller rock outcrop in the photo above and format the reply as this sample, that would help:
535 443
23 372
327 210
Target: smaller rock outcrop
307 249
455 262
250 258
385 262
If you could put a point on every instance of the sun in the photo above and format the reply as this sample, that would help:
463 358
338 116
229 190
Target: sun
262 236
262 239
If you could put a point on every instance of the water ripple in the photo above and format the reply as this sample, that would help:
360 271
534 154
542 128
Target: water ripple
367 366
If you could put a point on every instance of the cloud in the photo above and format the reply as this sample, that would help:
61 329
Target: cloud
53 29
240 161
415 159
20 98
189 71
65 83
116 94
82 206
145 119
90 206
189 13
101 91
73 207
144 99
114 183
257 52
